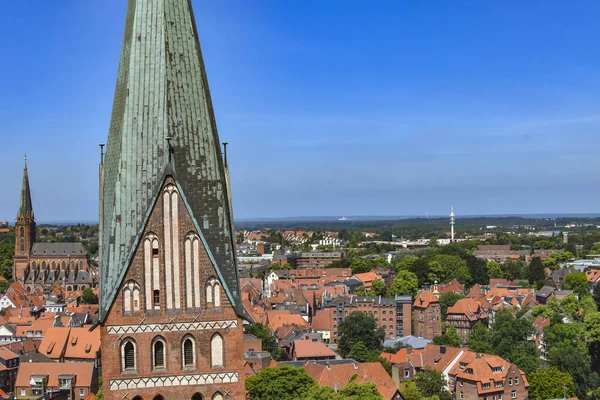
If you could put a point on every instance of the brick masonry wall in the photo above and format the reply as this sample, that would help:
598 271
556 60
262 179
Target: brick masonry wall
232 338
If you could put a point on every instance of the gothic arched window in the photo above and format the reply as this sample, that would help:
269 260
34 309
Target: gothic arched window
158 353
216 351
189 352
128 355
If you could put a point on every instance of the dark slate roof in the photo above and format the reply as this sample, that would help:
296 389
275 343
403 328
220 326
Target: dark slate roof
165 92
25 206
545 291
58 249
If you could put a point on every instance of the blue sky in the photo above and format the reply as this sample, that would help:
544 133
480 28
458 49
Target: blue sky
330 108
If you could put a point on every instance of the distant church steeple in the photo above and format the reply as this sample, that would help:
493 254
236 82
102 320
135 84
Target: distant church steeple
25 225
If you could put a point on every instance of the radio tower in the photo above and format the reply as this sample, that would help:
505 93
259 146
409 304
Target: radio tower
452 224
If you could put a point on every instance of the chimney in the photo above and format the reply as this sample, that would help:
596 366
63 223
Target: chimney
328 366
443 349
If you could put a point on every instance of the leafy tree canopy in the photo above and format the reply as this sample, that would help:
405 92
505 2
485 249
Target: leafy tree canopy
359 327
88 296
550 383
280 383
405 283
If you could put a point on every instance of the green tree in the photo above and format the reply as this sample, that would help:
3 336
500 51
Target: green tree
510 340
494 270
431 383
269 341
360 291
4 285
574 359
88 296
577 282
405 283
7 252
364 391
410 391
479 340
359 265
554 260
378 288
447 300
280 383
449 338
279 267
406 264
462 275
321 393
536 274
359 352
477 270
550 383
359 327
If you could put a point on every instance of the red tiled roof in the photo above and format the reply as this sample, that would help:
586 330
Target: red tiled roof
84 372
306 348
338 376
469 308
424 299
592 275
279 318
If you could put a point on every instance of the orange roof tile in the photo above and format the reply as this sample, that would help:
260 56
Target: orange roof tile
367 278
468 307
54 342
82 343
424 299
306 348
279 318
592 275
338 376
84 372
480 368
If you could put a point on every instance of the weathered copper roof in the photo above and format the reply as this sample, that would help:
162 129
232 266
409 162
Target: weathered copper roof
25 205
162 92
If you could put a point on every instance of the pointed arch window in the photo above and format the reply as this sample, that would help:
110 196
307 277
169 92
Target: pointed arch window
213 293
152 277
216 351
217 396
131 297
128 355
22 245
188 352
158 353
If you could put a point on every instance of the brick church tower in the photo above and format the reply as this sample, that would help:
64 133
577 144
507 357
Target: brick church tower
170 310
25 229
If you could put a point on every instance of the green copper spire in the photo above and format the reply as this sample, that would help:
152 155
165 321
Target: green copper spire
162 97
25 206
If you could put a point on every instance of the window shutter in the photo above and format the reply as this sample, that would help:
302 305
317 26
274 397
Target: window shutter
129 356
188 350
159 354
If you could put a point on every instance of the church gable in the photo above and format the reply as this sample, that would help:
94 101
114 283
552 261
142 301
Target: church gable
171 271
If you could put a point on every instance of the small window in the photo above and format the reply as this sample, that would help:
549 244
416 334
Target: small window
81 392
462 396
216 350
513 394
406 373
509 381
128 355
155 252
516 380
159 354
23 392
188 353
156 298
